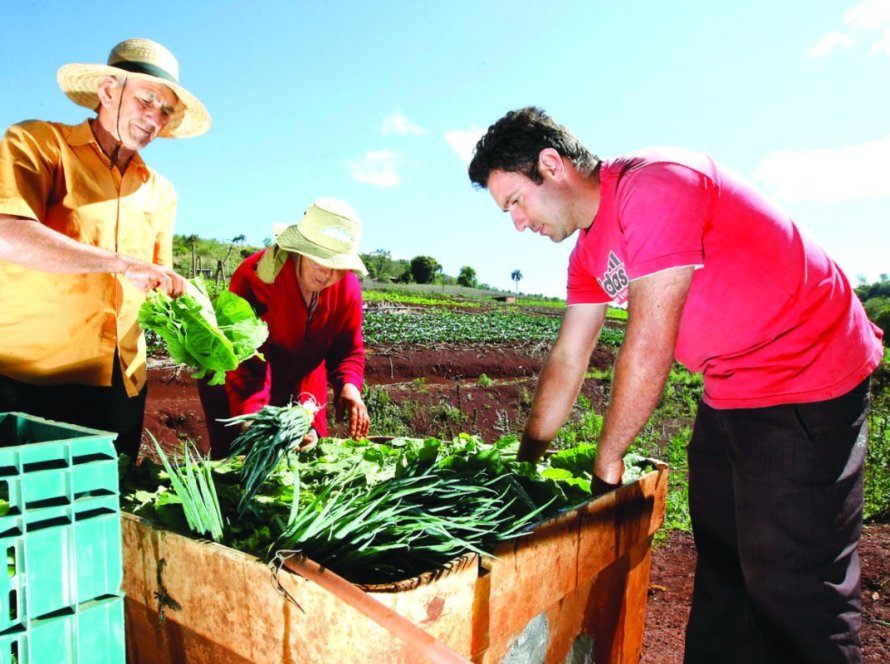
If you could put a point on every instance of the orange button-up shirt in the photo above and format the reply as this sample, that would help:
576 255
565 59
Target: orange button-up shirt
64 328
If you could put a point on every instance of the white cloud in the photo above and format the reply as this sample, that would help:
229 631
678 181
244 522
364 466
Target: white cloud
828 43
378 167
398 123
869 15
828 175
866 17
882 46
463 142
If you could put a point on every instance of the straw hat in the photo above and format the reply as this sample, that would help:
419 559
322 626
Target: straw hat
328 233
145 60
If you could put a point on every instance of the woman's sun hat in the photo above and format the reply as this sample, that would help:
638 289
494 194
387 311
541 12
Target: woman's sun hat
145 60
329 234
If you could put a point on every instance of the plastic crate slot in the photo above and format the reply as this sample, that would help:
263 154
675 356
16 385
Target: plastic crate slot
93 493
12 531
64 612
100 598
55 501
5 506
50 523
15 629
8 470
89 514
46 464
13 605
91 458
11 566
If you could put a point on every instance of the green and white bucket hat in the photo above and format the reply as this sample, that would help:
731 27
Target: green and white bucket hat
329 234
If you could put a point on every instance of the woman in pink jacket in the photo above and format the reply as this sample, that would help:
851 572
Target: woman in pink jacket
305 288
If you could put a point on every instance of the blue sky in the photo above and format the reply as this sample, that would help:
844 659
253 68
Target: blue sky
379 103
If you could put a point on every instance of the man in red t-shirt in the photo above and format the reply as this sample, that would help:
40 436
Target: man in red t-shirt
718 278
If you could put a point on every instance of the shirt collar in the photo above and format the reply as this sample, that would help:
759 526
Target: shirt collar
82 134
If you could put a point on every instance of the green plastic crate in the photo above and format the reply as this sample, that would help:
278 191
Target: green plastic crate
60 529
94 634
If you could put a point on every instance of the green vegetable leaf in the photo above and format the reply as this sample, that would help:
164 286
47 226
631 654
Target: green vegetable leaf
211 337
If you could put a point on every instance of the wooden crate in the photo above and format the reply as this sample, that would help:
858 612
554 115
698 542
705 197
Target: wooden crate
576 585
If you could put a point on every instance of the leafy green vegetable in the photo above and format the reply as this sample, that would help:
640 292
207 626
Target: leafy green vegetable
212 337
194 489
239 324
378 512
401 527
272 432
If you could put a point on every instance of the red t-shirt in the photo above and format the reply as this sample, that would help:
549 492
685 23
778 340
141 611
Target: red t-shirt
769 318
299 354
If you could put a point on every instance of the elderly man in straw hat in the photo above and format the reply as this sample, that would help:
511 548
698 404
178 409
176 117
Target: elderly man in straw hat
85 231
304 286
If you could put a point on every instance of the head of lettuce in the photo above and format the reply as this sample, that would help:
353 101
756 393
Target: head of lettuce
212 337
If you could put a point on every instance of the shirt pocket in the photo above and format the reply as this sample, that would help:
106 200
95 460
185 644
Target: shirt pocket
138 232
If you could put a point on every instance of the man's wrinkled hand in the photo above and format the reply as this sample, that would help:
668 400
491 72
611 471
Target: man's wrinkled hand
149 276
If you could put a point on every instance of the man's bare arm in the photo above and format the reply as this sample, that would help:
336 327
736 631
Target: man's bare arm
561 378
33 245
643 364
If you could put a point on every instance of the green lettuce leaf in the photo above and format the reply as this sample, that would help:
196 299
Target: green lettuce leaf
240 325
212 337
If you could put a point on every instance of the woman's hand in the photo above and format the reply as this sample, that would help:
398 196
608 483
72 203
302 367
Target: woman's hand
350 404
309 441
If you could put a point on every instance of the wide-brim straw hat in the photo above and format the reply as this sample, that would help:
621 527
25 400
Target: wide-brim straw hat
143 59
329 233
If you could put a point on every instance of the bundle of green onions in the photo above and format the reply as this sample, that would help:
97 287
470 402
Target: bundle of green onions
192 483
419 520
271 433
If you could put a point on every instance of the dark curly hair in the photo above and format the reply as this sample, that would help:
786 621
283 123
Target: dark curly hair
513 143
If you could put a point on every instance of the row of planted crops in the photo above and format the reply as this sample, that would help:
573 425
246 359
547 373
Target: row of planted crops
442 326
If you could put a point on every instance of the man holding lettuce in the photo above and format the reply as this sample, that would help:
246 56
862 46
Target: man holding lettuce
85 232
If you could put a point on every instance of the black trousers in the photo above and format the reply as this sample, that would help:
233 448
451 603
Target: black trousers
103 408
775 496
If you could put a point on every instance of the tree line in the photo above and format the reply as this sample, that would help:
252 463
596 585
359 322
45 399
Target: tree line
217 259
875 298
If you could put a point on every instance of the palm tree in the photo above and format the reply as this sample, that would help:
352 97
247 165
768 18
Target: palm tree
516 276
